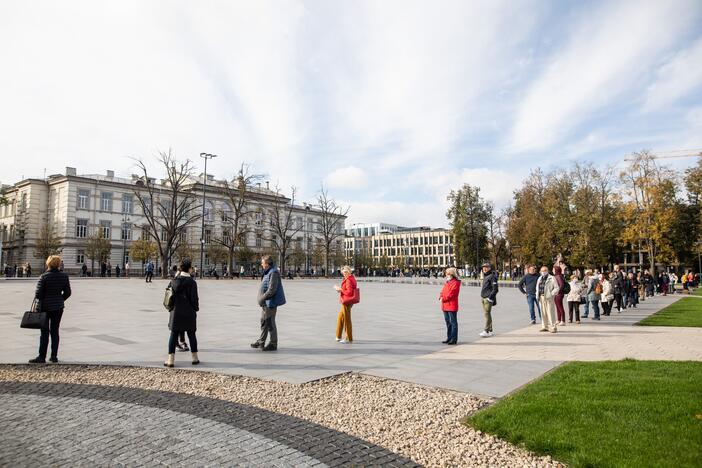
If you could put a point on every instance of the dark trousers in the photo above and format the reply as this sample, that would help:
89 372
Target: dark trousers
268 326
618 300
52 329
451 319
149 276
606 307
174 338
574 309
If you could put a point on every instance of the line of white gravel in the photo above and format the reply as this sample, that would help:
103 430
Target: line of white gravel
421 423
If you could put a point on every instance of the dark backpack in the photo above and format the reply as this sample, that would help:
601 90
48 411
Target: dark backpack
566 287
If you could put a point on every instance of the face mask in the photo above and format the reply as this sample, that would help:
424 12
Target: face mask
544 274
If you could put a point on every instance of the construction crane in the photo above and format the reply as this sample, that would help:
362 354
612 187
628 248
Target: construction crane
672 154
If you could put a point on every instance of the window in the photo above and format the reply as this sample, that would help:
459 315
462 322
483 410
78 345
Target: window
209 212
126 231
83 197
106 201
183 236
147 205
23 203
208 236
259 218
145 232
80 257
82 228
259 240
226 213
226 236
127 203
105 228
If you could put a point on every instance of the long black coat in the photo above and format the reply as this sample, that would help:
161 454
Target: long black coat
186 304
53 288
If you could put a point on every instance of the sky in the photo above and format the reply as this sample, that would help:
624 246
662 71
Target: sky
389 104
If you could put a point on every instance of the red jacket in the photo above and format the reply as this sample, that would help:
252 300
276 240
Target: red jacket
449 295
347 287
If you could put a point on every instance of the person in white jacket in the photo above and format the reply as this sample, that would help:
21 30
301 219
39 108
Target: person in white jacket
546 291
574 299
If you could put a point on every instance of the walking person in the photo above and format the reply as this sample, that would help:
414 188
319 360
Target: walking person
53 288
594 294
488 294
149 271
449 305
183 316
527 286
126 270
270 297
574 298
562 291
546 291
28 270
346 297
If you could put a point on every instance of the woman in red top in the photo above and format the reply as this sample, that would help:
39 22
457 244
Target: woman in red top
346 292
449 305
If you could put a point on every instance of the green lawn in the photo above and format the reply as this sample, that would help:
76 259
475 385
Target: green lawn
606 414
687 312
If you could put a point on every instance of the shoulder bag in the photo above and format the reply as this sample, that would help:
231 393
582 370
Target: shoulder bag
34 319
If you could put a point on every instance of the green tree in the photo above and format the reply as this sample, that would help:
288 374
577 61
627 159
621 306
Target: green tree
97 248
47 243
297 257
142 250
648 214
468 216
217 254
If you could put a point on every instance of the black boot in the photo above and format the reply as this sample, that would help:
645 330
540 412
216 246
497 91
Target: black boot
270 347
38 360
256 344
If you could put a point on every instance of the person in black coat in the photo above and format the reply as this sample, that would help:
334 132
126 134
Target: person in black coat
53 288
183 316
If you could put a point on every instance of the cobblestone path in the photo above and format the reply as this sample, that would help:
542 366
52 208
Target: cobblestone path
52 424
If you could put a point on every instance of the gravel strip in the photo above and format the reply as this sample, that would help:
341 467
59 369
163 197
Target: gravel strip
421 423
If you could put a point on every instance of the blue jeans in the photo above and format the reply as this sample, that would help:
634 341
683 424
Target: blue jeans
531 300
451 326
587 309
596 308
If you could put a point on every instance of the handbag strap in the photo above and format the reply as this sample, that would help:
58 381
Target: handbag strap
34 305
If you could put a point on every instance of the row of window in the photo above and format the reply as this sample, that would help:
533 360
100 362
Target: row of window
106 199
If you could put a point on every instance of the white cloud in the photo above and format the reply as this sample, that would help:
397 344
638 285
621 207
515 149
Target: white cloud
679 76
349 177
606 55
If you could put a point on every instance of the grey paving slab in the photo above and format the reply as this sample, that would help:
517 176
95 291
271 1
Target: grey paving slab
397 330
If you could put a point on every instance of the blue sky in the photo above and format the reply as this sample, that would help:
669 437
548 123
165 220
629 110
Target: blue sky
390 103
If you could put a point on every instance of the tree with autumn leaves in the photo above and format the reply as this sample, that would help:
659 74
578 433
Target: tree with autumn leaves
588 215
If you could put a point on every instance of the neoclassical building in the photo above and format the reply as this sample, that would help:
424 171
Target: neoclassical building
78 205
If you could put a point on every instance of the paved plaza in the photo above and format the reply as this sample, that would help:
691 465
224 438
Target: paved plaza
397 330
139 417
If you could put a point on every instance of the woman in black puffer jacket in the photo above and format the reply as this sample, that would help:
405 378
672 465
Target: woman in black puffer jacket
183 317
53 288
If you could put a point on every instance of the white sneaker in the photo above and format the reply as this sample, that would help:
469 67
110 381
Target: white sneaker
491 334
343 341
338 339
484 334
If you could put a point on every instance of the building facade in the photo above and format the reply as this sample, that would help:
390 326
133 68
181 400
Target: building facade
402 247
77 206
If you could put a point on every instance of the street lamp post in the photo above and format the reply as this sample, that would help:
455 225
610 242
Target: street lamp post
307 242
205 156
125 220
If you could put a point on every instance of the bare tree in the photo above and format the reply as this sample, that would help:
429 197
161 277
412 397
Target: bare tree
496 236
331 224
167 207
235 227
283 228
48 242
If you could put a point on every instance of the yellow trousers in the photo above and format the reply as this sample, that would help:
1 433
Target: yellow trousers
344 321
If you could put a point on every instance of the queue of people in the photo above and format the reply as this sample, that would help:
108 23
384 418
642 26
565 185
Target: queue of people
597 292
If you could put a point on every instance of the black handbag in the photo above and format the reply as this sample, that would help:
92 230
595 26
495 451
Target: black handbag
34 319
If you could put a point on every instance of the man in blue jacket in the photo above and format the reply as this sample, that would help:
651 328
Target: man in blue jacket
527 286
270 297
